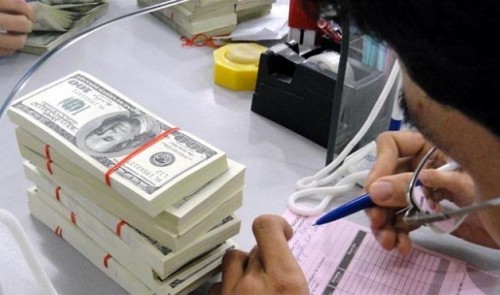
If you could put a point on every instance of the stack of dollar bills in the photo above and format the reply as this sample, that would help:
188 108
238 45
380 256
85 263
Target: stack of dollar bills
57 20
250 9
148 203
195 18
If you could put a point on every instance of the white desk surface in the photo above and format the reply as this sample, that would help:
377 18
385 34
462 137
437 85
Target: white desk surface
145 60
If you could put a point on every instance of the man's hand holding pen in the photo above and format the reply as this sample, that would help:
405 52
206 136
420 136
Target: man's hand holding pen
398 153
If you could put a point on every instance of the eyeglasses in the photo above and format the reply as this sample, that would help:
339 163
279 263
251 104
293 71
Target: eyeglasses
444 216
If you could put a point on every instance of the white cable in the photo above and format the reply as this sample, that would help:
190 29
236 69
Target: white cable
397 114
324 175
22 240
314 187
324 194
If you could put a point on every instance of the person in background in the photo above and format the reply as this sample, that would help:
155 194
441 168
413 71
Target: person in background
16 21
449 54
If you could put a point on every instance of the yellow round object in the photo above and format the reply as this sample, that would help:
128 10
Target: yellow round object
236 65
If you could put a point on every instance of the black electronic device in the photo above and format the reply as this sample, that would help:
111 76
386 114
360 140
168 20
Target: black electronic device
317 103
294 92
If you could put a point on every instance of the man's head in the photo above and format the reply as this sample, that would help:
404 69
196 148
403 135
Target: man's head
446 47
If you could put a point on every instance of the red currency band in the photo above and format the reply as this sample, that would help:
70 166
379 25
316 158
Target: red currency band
106 259
47 164
73 217
47 152
58 231
58 191
49 160
107 176
119 226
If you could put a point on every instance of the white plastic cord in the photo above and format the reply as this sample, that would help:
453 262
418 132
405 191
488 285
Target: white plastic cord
397 114
323 176
314 187
19 234
323 194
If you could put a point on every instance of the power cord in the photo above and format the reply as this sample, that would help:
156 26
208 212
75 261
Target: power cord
344 172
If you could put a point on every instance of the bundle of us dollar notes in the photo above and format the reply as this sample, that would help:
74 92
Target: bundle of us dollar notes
196 18
57 20
148 203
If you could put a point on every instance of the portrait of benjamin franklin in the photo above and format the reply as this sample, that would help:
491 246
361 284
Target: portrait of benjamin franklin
118 135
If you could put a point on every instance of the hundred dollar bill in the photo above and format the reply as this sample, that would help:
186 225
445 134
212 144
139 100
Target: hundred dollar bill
131 259
64 2
178 218
213 25
42 40
144 158
61 18
145 223
161 259
183 281
94 231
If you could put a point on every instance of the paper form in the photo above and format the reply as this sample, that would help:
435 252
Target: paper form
344 258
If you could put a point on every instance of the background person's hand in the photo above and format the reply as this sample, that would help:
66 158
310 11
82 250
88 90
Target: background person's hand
269 268
16 21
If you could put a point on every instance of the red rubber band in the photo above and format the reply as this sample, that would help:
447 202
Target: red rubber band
73 217
47 165
58 231
119 226
105 260
47 151
57 192
107 175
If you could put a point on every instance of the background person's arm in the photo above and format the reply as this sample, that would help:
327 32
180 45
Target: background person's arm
16 21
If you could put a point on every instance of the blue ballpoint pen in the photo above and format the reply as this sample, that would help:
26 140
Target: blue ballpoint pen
351 207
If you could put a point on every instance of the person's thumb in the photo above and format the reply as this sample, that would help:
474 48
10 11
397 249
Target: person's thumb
390 191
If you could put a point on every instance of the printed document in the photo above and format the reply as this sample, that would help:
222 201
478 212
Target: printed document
344 258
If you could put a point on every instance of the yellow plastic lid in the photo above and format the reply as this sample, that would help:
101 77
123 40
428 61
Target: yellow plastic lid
236 65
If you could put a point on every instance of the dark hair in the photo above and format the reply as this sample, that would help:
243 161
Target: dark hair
449 48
